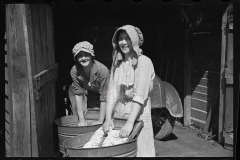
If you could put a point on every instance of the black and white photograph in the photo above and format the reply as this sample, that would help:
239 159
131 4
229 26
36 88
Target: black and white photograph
119 78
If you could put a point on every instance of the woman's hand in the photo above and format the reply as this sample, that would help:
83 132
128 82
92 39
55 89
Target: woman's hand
82 123
126 130
107 124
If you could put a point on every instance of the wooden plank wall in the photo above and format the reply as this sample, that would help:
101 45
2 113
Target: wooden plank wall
29 123
225 78
17 100
39 24
205 75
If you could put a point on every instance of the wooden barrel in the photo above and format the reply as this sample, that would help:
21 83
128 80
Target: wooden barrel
67 129
73 146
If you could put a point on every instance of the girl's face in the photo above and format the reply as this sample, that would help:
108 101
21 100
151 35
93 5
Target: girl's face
125 43
84 58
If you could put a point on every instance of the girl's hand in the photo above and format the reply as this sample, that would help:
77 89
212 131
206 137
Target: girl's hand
82 123
126 130
107 124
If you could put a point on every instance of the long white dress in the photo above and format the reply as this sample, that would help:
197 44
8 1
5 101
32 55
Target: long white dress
135 85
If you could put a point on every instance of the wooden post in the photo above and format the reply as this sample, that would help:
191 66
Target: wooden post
19 112
222 77
27 36
187 82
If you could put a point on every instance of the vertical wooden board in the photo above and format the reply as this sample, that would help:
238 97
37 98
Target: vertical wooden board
49 119
41 28
44 121
42 57
8 99
32 59
54 116
34 49
42 117
51 32
17 65
35 124
187 82
222 79
34 35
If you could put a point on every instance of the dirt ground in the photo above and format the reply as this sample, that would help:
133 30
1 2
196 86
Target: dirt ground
184 142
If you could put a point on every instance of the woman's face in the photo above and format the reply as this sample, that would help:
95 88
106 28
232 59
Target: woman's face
125 43
84 58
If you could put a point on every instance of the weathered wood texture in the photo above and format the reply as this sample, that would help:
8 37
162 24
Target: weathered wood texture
7 109
187 82
222 79
30 50
204 97
205 75
39 25
198 115
201 105
18 95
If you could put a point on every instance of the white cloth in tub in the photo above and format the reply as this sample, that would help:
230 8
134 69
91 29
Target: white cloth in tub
111 139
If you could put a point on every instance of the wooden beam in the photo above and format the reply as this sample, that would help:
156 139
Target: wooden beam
187 82
28 39
19 113
222 78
